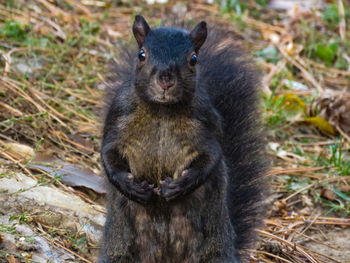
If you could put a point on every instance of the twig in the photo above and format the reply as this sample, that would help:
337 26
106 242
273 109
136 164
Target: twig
274 71
342 133
342 24
63 247
307 76
293 246
299 191
14 111
270 255
309 225
7 156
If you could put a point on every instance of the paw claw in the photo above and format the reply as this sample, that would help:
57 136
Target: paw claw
156 191
184 173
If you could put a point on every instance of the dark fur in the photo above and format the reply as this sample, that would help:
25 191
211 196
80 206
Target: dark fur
210 127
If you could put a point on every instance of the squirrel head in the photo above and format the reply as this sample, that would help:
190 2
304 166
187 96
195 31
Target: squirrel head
166 62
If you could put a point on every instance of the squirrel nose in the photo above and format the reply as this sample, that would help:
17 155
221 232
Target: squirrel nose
166 80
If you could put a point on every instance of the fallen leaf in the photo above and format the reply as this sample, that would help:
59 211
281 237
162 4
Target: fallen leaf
289 49
28 255
72 174
335 108
280 207
323 125
306 211
291 102
307 201
328 194
11 259
344 188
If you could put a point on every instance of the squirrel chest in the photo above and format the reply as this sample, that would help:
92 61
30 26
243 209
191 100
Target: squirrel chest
159 144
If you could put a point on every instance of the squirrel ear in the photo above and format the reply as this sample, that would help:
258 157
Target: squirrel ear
198 35
140 29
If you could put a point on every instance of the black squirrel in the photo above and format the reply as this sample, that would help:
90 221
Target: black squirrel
182 150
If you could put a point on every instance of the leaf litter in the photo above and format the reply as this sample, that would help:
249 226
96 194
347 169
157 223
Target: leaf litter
53 59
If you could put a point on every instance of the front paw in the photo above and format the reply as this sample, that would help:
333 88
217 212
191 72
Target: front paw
141 192
175 188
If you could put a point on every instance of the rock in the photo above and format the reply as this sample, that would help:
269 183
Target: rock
39 247
49 208
24 245
44 195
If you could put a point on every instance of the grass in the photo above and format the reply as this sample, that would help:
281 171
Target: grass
6 228
53 60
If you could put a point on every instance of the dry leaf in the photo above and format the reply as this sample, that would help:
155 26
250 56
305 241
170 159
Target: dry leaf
11 259
328 194
335 108
72 174
344 188
306 211
307 201
27 255
272 36
289 49
291 102
323 125
280 206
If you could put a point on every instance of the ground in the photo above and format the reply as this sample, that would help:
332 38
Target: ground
54 58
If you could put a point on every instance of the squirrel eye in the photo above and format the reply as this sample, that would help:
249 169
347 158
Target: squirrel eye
193 60
142 55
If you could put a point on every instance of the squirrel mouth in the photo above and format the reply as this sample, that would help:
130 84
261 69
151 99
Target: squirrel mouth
165 98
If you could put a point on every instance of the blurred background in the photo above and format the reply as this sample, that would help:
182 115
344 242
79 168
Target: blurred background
54 57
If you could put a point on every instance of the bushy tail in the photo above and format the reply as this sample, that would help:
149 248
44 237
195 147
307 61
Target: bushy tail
232 83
